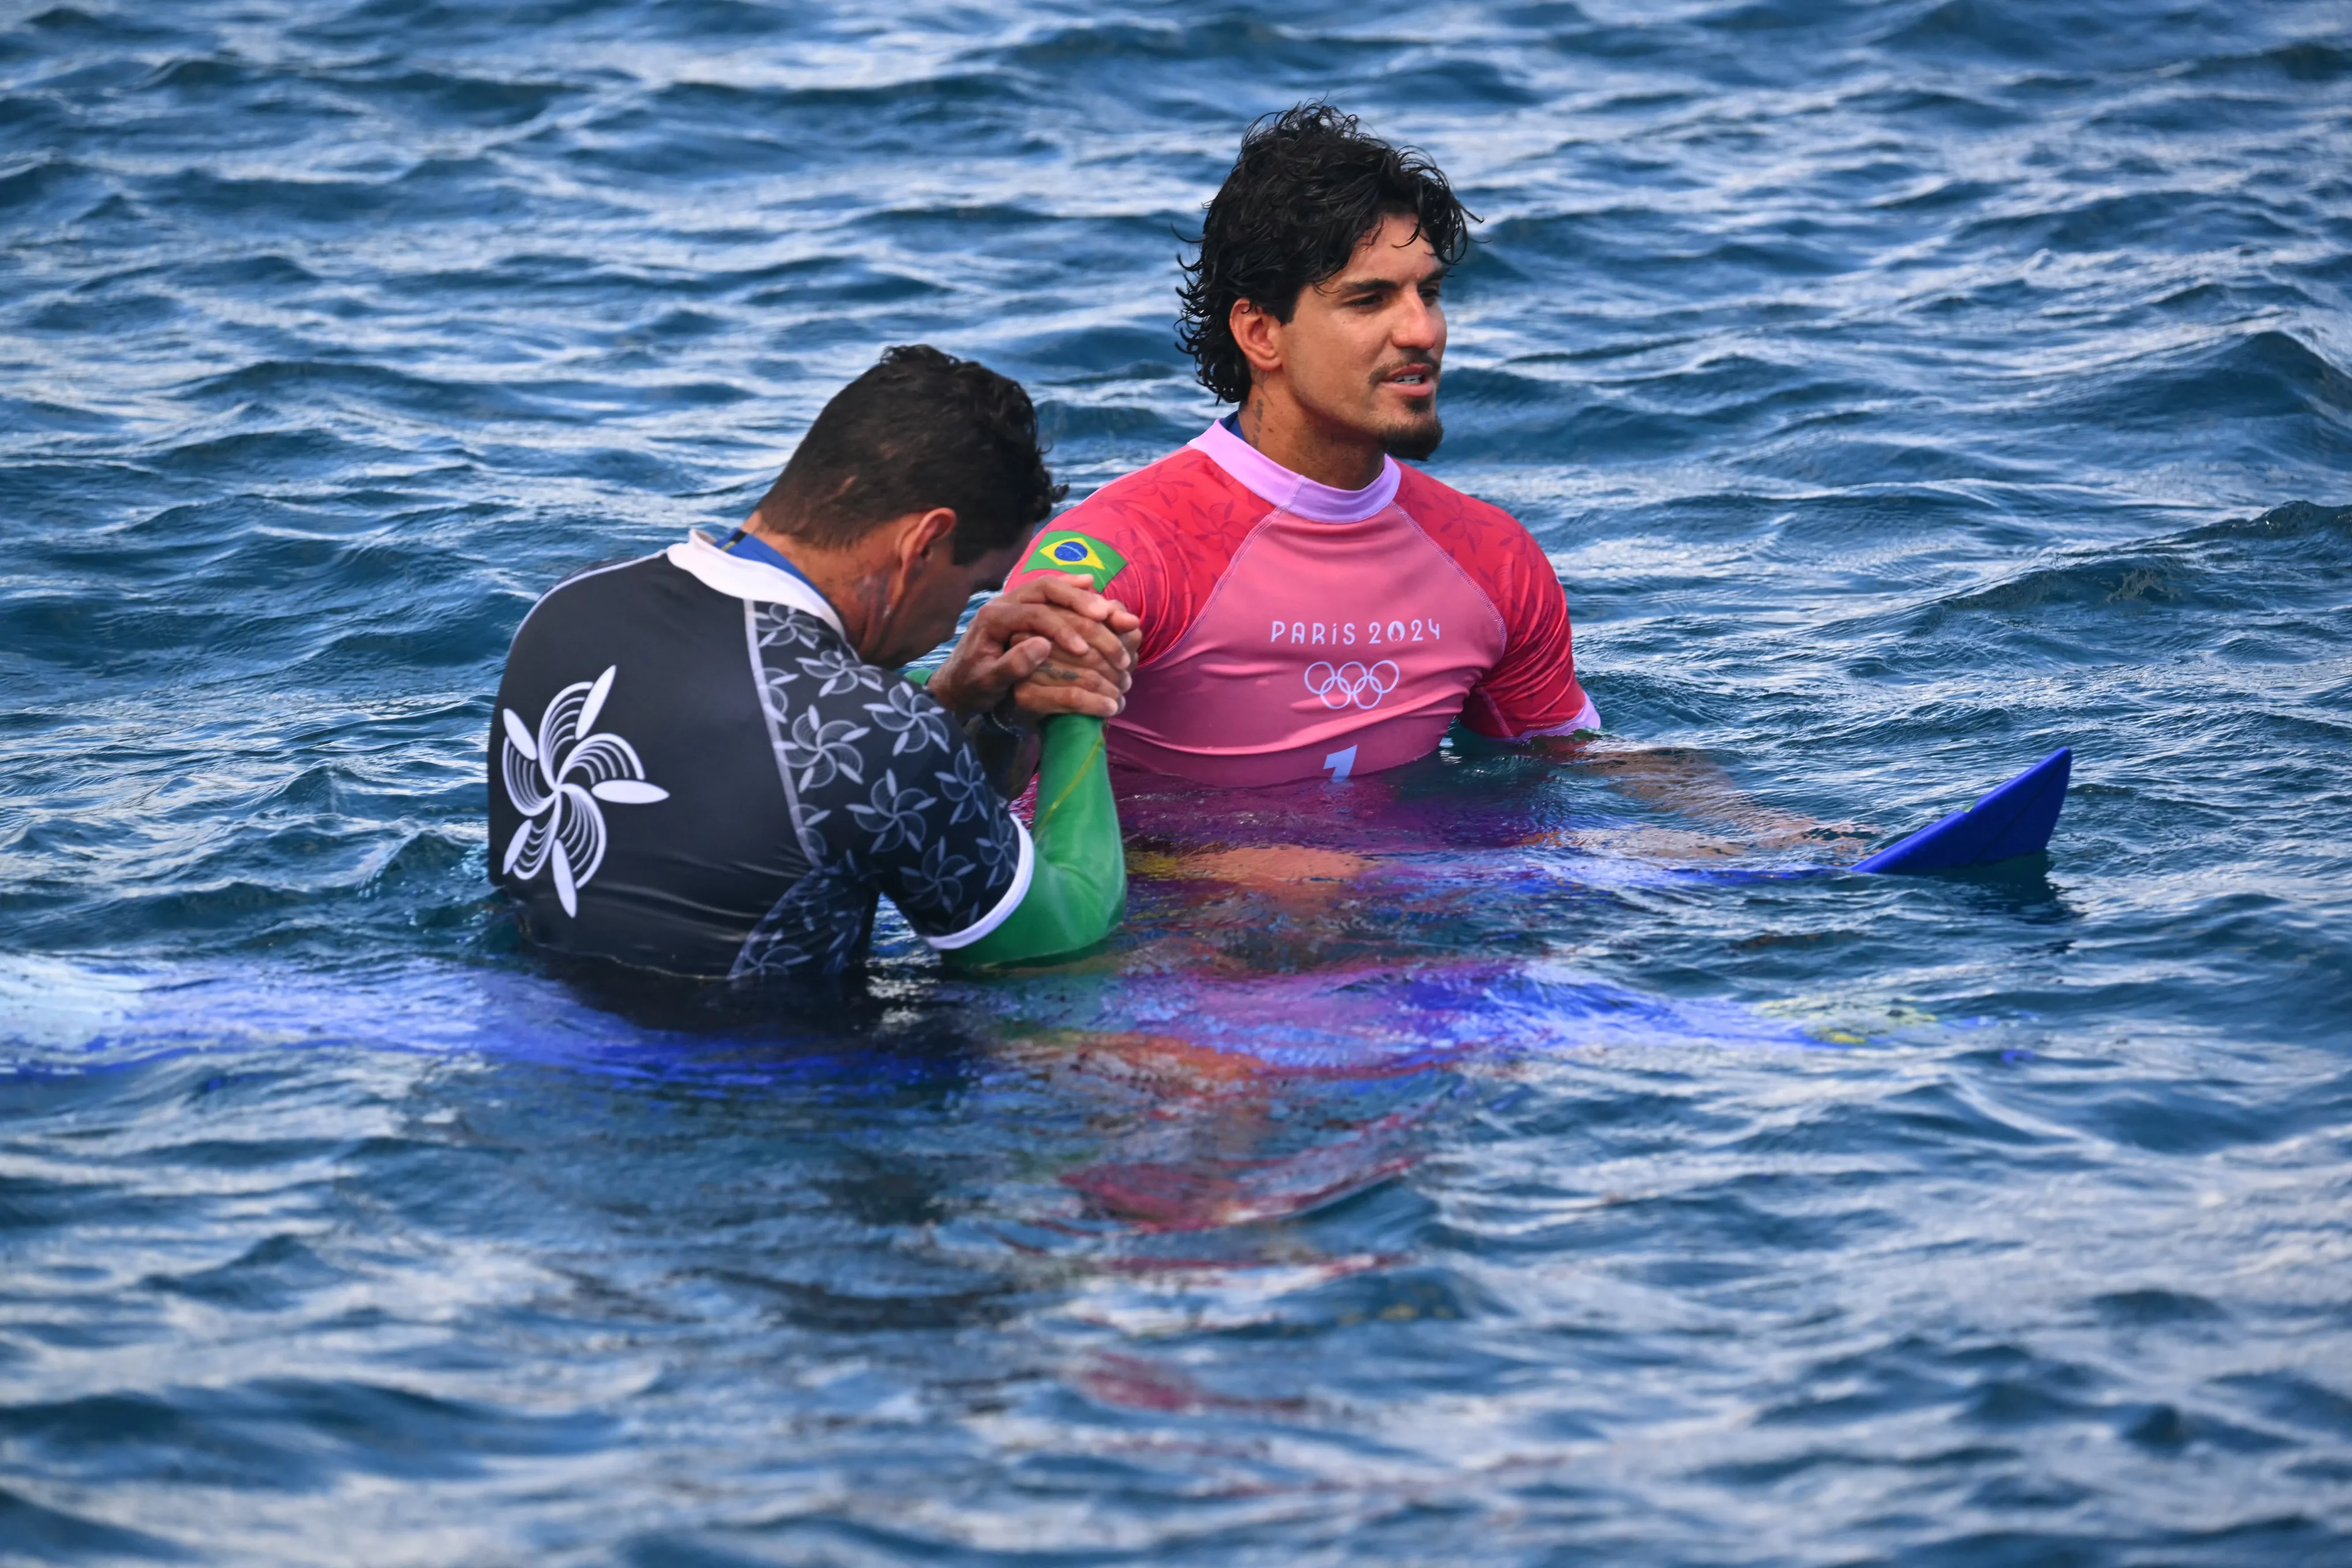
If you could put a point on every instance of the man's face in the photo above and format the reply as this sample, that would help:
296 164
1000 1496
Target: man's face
935 598
1361 351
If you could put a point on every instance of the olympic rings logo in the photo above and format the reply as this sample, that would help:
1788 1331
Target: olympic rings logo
1352 684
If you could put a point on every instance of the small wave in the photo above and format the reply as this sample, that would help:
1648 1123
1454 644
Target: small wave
289 1433
1147 430
271 455
207 76
2103 36
2177 220
2306 60
1779 16
1469 83
817 281
53 189
25 414
32 118
1117 41
107 310
1943 105
1101 352
1896 411
2256 590
439 97
306 386
2294 400
270 1276
268 199
1105 46
786 110
47 1534
267 269
70 24
2294 1400
1548 16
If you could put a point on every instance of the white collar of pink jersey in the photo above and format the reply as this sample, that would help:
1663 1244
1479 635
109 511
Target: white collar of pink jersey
1293 493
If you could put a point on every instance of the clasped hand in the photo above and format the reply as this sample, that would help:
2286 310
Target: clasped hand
1051 645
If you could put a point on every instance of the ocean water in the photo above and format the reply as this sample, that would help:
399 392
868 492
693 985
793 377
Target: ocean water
1903 390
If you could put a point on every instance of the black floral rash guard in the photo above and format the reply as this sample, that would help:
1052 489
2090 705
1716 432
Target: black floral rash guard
692 771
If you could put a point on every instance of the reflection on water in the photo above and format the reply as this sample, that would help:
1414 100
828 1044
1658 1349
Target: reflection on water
1498 1157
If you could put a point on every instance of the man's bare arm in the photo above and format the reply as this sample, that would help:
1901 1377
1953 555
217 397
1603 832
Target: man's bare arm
1691 785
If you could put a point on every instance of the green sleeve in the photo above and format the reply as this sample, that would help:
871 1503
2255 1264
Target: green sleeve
1078 881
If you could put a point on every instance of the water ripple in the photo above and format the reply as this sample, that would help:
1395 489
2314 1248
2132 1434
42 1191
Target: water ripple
1902 390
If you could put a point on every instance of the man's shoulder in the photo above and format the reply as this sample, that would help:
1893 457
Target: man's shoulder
593 590
1168 527
1434 504
1493 547
1180 487
620 571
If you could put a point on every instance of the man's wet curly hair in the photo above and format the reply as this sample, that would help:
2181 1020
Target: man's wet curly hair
1307 188
920 429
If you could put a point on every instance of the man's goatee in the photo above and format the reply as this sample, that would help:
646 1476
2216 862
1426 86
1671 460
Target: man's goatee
1417 443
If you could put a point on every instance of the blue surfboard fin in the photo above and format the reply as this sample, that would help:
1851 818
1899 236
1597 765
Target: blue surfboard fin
2016 818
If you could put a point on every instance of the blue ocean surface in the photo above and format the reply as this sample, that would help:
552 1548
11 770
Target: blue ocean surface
1903 390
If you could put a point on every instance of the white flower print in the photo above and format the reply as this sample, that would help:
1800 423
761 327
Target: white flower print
777 627
556 779
965 784
776 687
907 712
931 839
999 854
894 817
841 670
820 750
819 924
939 880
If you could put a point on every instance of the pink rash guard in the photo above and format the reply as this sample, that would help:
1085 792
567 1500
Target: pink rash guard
1291 629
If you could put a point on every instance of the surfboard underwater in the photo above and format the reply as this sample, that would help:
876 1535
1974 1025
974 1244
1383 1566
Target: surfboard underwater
2014 819
1347 1018
1410 1016
2011 820
1371 1016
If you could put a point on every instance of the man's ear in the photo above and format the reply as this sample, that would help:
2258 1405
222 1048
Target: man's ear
1257 333
933 531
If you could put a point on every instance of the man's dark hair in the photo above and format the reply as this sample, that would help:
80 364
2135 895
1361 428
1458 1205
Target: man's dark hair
921 429
1307 187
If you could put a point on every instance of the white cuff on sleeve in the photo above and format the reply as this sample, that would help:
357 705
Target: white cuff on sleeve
1027 868
1587 717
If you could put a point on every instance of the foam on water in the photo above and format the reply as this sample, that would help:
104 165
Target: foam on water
1903 390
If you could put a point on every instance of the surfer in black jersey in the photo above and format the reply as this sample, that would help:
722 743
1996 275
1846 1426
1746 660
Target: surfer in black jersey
702 761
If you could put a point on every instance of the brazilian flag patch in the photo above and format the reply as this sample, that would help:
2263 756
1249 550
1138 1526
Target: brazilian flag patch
1060 550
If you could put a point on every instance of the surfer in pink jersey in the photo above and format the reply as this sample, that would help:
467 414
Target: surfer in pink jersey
1311 607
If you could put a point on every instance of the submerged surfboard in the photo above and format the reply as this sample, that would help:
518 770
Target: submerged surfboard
2014 819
